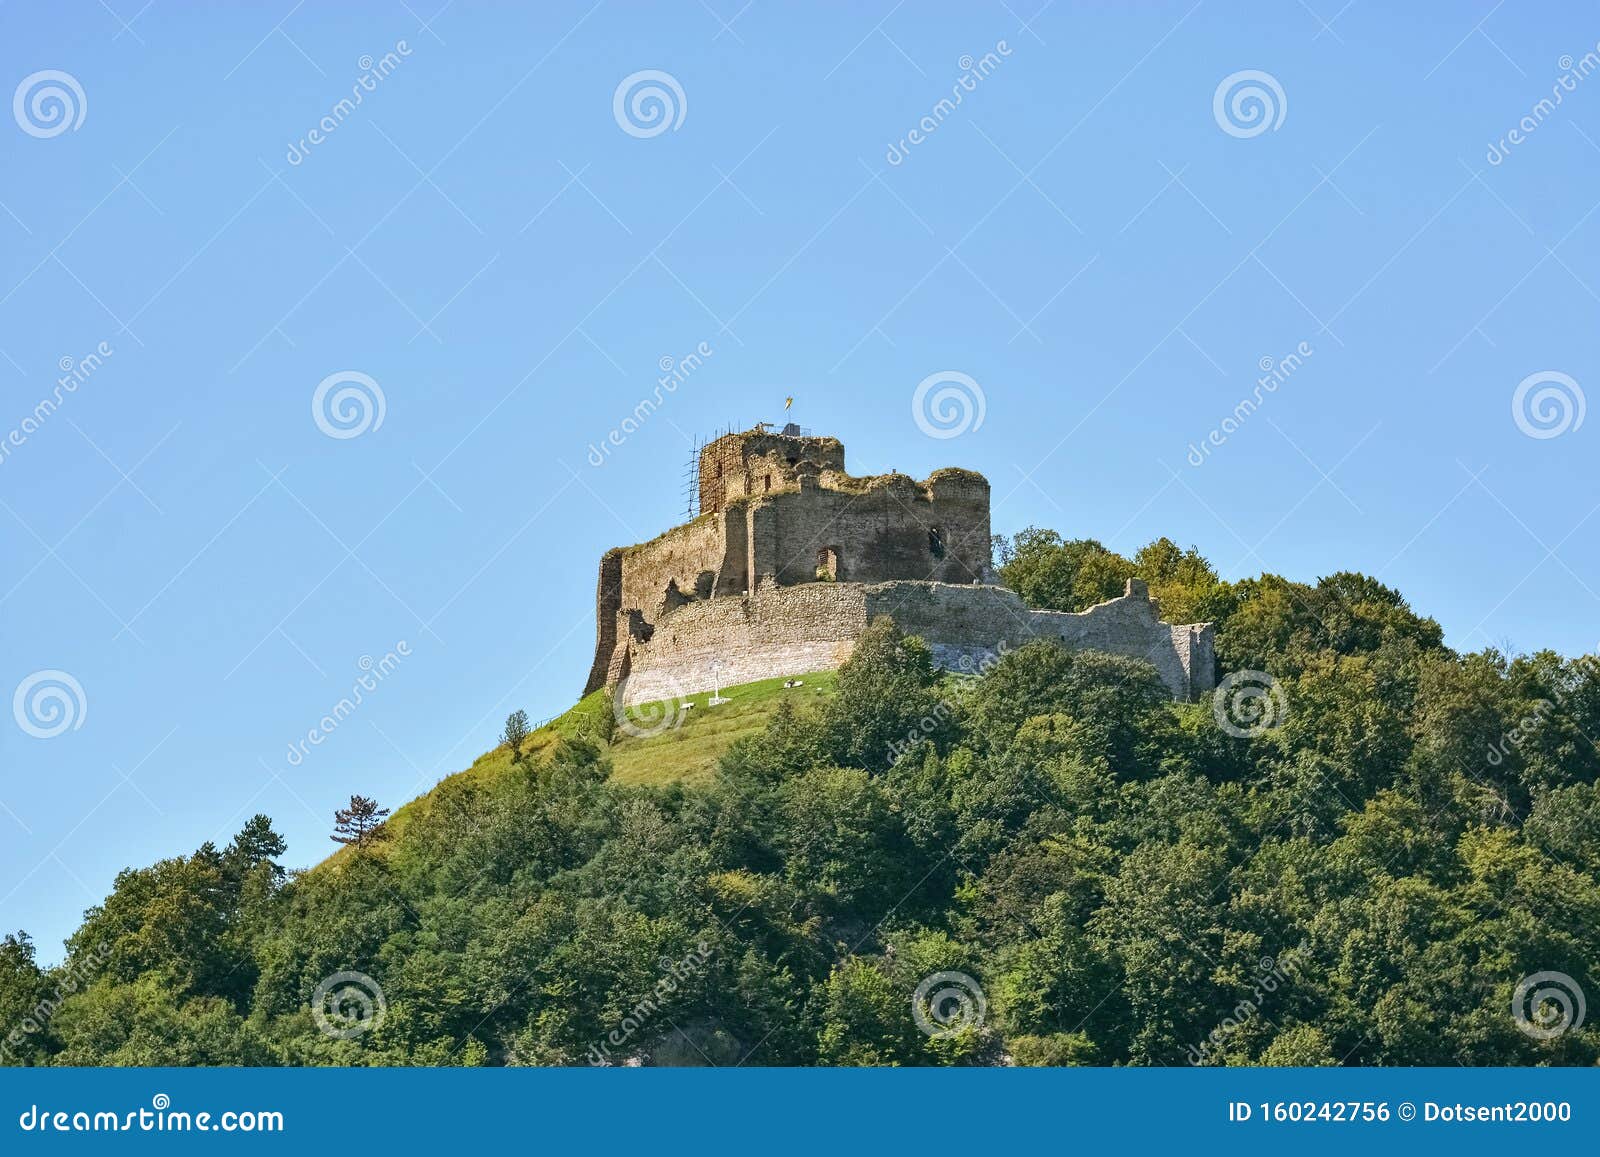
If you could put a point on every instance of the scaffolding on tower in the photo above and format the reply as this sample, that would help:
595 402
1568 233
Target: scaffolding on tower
691 471
691 482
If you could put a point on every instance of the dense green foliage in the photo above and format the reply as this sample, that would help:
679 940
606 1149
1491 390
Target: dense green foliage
1127 882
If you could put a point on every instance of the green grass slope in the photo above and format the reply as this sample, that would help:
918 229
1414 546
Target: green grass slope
690 750
686 752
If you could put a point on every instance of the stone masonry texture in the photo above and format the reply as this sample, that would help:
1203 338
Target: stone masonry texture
792 557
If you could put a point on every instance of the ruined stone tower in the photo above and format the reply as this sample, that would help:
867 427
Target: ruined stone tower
791 557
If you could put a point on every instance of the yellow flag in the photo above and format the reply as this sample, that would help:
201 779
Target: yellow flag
789 401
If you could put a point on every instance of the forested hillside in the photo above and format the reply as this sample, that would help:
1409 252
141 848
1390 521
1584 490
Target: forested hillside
1355 855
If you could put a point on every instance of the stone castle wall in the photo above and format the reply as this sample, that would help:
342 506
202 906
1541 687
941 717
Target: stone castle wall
754 463
965 625
681 559
779 508
794 630
778 631
896 528
742 586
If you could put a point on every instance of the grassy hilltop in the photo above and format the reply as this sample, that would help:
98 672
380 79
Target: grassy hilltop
685 749
1364 850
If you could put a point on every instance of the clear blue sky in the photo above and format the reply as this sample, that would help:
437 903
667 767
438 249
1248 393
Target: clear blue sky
480 236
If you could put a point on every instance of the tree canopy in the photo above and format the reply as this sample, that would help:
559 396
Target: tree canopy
1049 864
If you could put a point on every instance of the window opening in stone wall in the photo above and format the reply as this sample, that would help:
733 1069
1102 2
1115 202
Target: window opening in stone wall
828 564
935 542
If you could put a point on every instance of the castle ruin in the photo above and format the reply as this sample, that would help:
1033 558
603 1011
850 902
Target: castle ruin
791 557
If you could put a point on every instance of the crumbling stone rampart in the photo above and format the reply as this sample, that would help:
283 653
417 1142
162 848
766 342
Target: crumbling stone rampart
792 557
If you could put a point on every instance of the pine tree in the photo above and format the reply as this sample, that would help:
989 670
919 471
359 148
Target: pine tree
516 733
255 844
358 824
